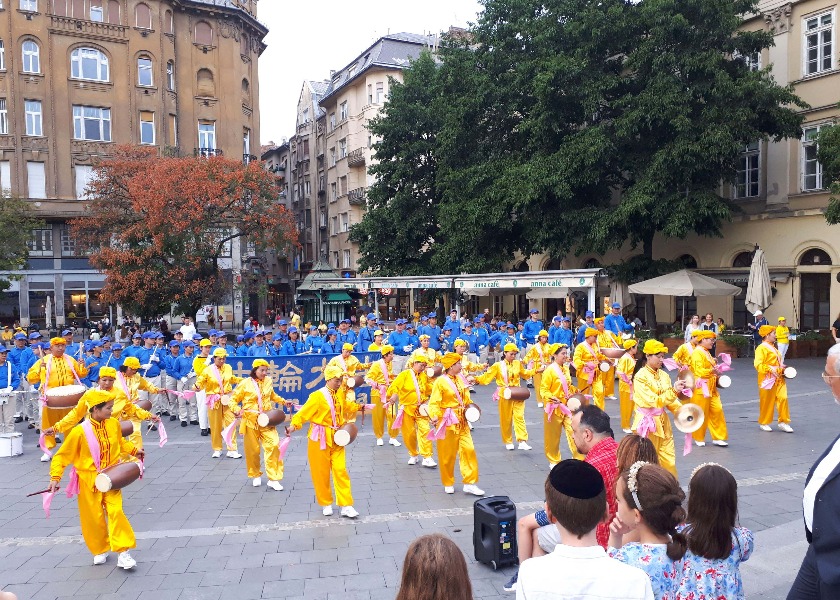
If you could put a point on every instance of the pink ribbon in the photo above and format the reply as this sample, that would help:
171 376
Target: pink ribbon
43 444
382 390
496 395
46 501
227 433
589 370
73 485
212 399
687 445
162 434
551 407
769 382
648 425
398 421
283 447
725 359
701 384
449 418
670 364
318 433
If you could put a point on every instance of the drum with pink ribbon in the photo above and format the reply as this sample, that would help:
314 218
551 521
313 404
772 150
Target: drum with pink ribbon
225 399
64 396
271 418
118 476
789 372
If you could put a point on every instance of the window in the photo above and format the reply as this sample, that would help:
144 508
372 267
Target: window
743 260
345 222
2 56
33 117
244 45
342 148
68 244
83 174
307 188
812 176
332 156
114 12
342 185
203 33
205 84
147 128
815 257
332 121
143 16
30 5
173 130
207 135
4 118
97 13
334 225
747 175
246 90
322 218
144 71
752 61
370 94
346 262
335 260
333 192
31 57
168 23
6 176
36 179
343 111
352 70
89 63
380 92
818 43
40 243
92 123
170 76
246 142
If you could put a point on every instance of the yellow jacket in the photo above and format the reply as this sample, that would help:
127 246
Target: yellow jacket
374 347
583 355
74 451
468 366
653 389
551 387
443 397
200 363
683 354
245 396
607 339
515 372
209 382
403 386
349 365
60 373
626 364
703 365
316 411
767 361
782 335
377 375
430 353
122 411
539 354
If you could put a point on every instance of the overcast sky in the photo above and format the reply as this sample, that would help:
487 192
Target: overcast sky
307 39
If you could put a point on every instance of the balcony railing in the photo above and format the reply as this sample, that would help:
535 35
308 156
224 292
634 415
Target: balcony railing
207 152
72 25
356 157
357 197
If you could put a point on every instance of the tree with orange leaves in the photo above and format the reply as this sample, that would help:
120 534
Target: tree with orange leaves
160 228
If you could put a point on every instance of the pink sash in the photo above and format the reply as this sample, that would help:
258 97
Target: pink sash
318 433
770 379
95 453
648 425
552 407
503 369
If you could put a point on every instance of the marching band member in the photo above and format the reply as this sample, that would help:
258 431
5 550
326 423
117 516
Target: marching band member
447 402
54 370
379 378
348 363
507 373
625 367
251 397
150 357
539 355
276 347
467 366
330 345
606 339
425 350
772 386
216 380
555 389
129 384
588 323
187 409
400 339
293 345
366 333
706 394
22 357
91 447
614 322
170 380
327 409
412 387
652 394
682 355
9 382
586 359
314 340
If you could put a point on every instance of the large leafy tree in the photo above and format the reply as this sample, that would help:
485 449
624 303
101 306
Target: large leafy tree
159 228
829 157
16 224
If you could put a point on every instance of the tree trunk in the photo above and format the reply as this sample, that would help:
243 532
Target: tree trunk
650 305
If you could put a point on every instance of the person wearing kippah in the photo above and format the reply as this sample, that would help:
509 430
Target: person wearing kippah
706 393
586 359
379 378
607 339
539 355
772 386
625 367
412 388
575 497
652 394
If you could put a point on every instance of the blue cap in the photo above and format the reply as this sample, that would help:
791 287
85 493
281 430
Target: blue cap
147 335
510 326
282 322
248 336
477 320
96 344
35 346
566 319
589 313
221 334
66 332
557 318
371 317
468 324
115 347
410 325
197 336
348 321
447 327
616 305
260 332
189 345
239 338
534 310
293 329
276 337
332 332
174 343
136 336
330 325
20 336
424 318
106 338
3 349
313 328
35 336
211 332
159 336
432 315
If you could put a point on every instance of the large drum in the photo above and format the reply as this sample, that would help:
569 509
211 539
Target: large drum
724 381
605 366
127 428
355 381
145 404
423 410
472 413
65 396
520 394
435 371
346 434
271 418
118 476
789 372
576 401
612 352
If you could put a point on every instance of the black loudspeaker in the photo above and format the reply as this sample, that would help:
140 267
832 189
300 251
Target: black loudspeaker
494 531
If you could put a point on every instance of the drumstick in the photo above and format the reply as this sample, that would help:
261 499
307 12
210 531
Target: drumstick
46 491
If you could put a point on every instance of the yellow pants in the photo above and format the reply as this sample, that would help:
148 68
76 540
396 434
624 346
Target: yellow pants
49 417
415 427
512 412
537 381
715 420
626 405
552 431
380 415
608 381
136 437
458 442
220 417
596 390
322 464
267 436
774 398
102 534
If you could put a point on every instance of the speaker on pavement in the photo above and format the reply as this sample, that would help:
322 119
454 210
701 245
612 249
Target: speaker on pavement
494 531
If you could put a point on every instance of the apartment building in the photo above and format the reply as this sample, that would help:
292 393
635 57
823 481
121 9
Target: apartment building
274 267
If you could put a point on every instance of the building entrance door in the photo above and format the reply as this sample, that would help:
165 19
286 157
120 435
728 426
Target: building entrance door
814 301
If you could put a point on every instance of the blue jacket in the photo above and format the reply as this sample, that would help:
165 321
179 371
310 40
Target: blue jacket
563 336
365 338
314 343
346 338
183 365
330 348
581 331
399 341
472 341
291 348
132 351
455 325
274 350
530 330
169 364
93 364
256 350
20 357
145 356
615 323
5 380
434 332
113 361
483 336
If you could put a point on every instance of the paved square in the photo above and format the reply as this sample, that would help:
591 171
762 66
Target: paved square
205 533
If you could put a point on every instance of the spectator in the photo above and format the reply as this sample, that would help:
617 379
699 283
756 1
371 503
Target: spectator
819 575
434 569
754 327
188 329
721 325
692 326
835 330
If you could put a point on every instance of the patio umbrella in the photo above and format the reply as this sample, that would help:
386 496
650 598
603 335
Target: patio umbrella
758 295
621 294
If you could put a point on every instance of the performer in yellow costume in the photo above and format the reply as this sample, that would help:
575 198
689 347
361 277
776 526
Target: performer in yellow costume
54 370
252 396
508 373
626 366
376 345
379 377
327 409
607 339
412 387
586 359
431 355
217 380
467 366
772 387
652 394
447 402
782 337
682 355
555 389
91 447
539 355
706 394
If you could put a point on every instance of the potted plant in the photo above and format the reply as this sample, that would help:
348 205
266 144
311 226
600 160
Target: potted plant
673 339
733 345
809 339
824 343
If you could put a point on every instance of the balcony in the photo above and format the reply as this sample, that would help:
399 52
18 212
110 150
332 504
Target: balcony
247 158
357 197
356 157
88 29
207 152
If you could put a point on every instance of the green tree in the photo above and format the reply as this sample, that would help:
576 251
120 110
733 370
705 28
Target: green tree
16 224
828 154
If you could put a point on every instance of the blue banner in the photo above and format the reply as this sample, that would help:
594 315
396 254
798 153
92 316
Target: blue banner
295 377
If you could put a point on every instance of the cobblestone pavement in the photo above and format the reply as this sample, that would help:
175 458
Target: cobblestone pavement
205 533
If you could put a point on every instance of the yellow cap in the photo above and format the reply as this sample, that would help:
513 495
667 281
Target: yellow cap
260 362
57 340
766 330
332 371
419 358
220 352
708 334
347 346
590 331
132 362
424 337
629 344
96 396
378 332
782 319
386 349
460 342
449 359
654 347
511 347
542 332
205 342
599 320
108 372
698 333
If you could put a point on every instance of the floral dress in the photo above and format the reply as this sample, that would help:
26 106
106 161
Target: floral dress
664 573
719 578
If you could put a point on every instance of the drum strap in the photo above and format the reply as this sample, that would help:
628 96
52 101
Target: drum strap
562 377
48 362
455 389
331 403
219 379
259 394
416 386
95 454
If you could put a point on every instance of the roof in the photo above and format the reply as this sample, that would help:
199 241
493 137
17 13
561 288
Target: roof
234 6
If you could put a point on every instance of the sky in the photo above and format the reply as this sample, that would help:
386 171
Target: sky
306 44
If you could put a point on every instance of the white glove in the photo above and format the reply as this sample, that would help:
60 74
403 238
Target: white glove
191 374
183 380
147 366
155 358
406 348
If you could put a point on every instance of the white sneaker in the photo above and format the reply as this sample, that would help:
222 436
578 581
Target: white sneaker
627 431
412 460
551 465
328 511
721 443
473 489
610 398
699 444
395 442
540 405
275 485
216 454
449 489
124 561
523 446
256 481
379 442
99 559
45 457
349 512
509 446
429 462
233 454
785 427
765 428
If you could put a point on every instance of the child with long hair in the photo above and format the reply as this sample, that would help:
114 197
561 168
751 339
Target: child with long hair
716 545
650 504
434 569
632 449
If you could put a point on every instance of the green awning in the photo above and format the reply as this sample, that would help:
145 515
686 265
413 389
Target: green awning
337 298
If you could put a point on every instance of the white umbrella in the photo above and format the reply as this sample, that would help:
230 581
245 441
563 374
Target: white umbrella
621 294
759 295
48 311
684 283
